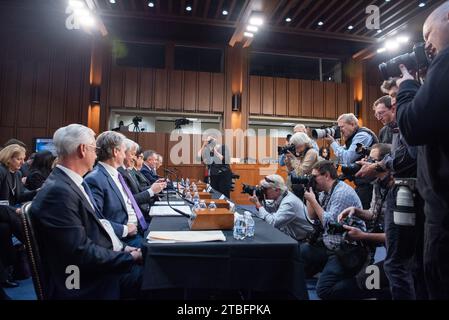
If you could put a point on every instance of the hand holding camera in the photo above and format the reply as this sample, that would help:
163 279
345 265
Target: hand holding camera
349 212
405 75
309 195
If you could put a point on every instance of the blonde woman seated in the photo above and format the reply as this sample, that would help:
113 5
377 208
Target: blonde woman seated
306 156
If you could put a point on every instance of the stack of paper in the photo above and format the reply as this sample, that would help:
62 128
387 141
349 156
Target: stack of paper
186 236
167 211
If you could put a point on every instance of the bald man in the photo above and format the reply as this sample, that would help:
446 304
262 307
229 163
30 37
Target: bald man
422 114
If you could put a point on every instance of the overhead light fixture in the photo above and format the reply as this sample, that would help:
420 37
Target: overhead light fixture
248 34
224 12
422 4
256 21
379 31
87 21
151 4
320 23
112 1
350 27
76 4
82 12
189 8
288 19
251 28
391 45
403 39
380 50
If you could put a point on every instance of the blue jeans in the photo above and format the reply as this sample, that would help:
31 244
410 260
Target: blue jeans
335 282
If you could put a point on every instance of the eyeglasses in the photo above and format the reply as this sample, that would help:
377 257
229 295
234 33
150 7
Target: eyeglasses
379 115
93 146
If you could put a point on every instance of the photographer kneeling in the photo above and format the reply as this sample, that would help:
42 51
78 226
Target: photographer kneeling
287 212
353 134
374 219
337 259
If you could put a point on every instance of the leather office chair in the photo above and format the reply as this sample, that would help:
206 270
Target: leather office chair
32 249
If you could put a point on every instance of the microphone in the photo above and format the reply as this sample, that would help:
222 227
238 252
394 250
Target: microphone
177 210
170 171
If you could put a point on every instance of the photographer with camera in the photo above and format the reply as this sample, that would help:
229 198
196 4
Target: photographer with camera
374 219
281 152
302 128
404 243
287 212
347 155
337 259
425 109
386 112
217 159
305 156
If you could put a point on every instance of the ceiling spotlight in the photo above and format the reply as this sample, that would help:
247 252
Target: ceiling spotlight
256 21
379 31
151 4
422 4
391 45
380 50
403 39
320 23
112 1
350 27
248 34
288 19
76 4
189 8
251 28
225 12
81 12
87 21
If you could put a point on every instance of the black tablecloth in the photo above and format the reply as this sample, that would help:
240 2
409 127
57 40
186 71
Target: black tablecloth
267 262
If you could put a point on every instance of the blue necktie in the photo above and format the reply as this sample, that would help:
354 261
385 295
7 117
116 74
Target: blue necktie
91 198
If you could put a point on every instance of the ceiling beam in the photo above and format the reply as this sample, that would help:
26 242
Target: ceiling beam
344 15
206 8
310 13
291 4
220 5
324 13
231 9
301 7
363 21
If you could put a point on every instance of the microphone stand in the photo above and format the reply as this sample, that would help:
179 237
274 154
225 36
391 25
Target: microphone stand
176 210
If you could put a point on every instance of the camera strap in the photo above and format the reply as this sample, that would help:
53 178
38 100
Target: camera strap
328 196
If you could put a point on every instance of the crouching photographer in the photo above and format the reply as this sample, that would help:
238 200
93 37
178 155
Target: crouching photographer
301 161
337 258
374 219
347 155
286 212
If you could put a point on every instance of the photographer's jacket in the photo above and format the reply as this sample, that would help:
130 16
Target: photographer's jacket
347 155
288 214
423 115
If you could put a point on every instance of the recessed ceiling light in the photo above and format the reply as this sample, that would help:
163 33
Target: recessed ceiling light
256 21
248 34
288 19
225 12
151 4
87 21
189 8
391 45
320 23
422 4
379 31
380 50
350 27
252 28
112 1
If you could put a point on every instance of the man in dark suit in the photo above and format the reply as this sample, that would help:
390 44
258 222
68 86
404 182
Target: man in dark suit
76 246
150 160
112 195
126 171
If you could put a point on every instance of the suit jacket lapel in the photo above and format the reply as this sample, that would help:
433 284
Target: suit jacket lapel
62 176
113 186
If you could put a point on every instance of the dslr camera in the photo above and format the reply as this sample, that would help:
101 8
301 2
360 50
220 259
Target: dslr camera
323 132
349 172
301 184
415 61
136 120
260 193
362 150
286 149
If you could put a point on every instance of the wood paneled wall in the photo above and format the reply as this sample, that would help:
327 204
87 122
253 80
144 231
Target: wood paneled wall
44 84
372 93
165 90
298 98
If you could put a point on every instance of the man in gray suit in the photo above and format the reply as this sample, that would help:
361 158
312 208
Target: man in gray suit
287 212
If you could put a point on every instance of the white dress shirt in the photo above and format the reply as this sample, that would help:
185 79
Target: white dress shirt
132 217
78 180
